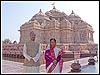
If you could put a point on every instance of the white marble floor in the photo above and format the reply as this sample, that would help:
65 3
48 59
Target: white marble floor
91 68
16 67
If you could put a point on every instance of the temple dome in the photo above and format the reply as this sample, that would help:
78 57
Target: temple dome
55 13
40 15
73 15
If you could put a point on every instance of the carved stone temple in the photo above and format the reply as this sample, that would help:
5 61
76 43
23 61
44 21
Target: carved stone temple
70 31
56 24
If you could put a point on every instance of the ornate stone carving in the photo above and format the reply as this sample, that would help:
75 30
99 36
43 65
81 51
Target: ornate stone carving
62 26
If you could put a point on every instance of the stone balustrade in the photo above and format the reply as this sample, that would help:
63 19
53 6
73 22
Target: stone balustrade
10 49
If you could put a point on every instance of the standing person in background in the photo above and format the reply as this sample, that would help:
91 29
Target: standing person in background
53 57
31 52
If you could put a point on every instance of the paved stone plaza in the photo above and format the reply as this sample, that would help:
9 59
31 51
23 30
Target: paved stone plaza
16 67
91 69
74 36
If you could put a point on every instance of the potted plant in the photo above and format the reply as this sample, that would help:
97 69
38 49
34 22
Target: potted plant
76 67
91 61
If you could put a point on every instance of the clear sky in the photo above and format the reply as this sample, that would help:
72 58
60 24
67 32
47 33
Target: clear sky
14 14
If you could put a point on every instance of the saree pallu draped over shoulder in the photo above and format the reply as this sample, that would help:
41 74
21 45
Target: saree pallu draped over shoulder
50 56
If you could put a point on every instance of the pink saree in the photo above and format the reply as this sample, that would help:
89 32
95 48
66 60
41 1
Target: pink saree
50 57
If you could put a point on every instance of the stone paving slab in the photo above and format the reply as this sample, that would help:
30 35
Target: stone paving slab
16 67
91 68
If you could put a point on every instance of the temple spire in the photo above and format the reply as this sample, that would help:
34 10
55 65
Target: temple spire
72 12
40 11
53 4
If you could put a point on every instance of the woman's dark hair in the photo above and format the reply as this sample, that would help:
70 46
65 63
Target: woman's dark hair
53 39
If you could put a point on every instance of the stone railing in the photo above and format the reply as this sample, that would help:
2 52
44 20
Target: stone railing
16 50
12 50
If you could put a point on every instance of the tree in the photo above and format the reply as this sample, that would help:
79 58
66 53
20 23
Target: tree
7 41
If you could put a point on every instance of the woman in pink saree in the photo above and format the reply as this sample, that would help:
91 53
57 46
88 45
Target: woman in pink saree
53 57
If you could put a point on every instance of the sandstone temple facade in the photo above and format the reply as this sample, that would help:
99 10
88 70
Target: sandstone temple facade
70 31
64 28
